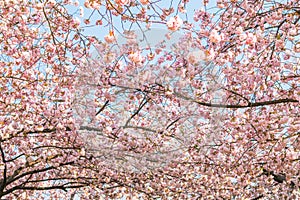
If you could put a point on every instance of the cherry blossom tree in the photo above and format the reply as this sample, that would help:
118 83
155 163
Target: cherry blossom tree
215 115
39 145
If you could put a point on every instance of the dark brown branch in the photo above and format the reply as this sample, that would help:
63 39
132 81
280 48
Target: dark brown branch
50 27
3 182
140 127
173 122
138 110
90 129
237 94
102 108
258 197
279 178
249 105
276 35
55 147
58 187
290 77
14 178
15 158
61 179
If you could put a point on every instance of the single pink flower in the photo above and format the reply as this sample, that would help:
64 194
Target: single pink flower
174 23
110 37
135 57
214 36
251 39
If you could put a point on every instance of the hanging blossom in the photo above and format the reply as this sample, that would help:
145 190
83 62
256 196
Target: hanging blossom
174 23
110 38
215 36
135 57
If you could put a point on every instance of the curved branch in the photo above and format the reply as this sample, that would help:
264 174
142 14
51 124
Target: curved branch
102 108
249 105
57 187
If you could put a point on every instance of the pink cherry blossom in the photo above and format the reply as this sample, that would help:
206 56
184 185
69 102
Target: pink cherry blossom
110 38
214 36
122 2
135 57
174 23
213 114
144 2
251 39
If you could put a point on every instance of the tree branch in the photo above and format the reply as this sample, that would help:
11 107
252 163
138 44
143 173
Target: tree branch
57 187
3 184
249 105
102 108
143 103
14 178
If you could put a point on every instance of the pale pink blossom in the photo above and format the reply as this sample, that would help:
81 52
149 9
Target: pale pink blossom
26 55
214 36
150 56
29 122
109 129
148 25
144 2
174 23
87 4
40 128
51 3
195 57
110 38
76 3
181 8
82 152
168 36
76 22
242 36
135 57
81 12
251 39
293 31
297 48
220 5
60 126
122 2
39 6
239 30
109 57
210 54
169 92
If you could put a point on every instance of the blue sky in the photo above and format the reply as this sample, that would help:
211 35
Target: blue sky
100 32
